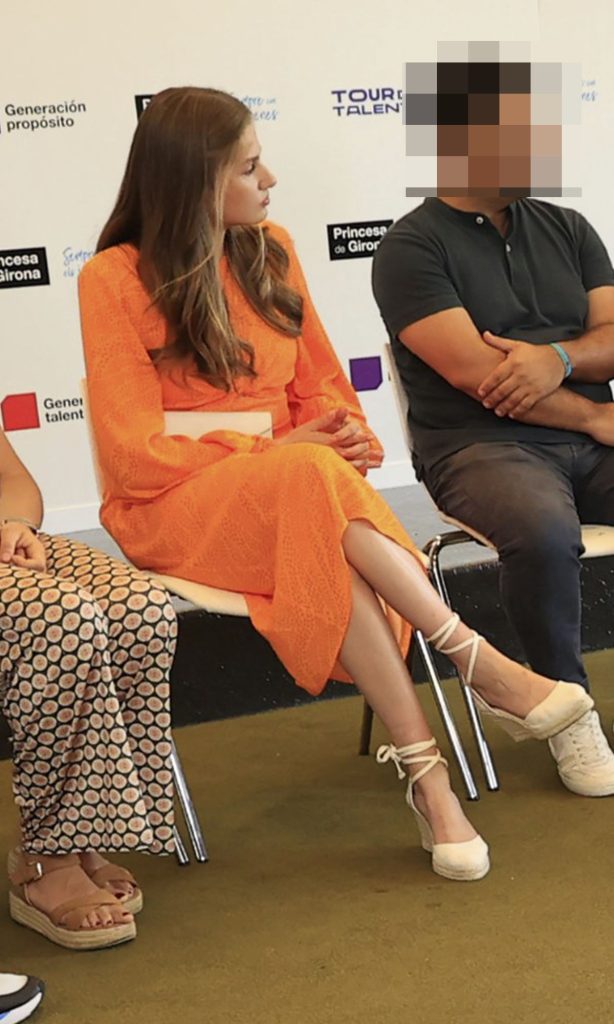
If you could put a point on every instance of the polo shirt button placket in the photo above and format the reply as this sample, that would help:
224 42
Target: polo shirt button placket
479 220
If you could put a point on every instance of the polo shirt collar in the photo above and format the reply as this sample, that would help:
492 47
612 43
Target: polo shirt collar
469 216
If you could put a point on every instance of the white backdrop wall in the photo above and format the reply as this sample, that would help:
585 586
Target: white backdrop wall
323 80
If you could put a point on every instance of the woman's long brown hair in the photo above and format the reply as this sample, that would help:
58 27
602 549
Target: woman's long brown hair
170 206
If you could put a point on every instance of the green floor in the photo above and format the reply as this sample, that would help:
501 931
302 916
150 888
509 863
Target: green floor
318 906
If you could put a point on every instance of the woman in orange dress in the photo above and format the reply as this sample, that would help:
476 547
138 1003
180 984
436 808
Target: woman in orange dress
192 304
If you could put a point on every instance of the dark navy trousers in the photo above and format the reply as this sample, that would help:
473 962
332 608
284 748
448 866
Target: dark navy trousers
530 500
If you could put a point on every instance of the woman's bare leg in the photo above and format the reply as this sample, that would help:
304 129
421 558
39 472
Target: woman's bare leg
396 575
371 656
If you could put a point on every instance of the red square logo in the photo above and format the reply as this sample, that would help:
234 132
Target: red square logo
20 412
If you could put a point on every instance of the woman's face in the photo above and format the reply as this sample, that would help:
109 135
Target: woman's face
246 196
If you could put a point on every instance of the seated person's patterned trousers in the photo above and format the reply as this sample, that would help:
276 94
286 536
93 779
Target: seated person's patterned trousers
86 649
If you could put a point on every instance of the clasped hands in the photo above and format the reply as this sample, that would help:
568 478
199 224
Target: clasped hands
527 374
336 429
20 547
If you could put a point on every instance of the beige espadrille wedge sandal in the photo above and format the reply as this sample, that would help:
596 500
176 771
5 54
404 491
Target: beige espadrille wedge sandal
462 862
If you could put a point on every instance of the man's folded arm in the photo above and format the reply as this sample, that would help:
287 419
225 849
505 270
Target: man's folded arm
451 345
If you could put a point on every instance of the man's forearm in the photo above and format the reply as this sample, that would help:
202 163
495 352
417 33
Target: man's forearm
565 410
592 354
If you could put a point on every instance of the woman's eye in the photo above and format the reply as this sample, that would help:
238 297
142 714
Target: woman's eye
251 168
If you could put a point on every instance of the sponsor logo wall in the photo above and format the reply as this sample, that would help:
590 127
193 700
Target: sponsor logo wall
23 268
353 241
21 412
40 117
328 110
367 102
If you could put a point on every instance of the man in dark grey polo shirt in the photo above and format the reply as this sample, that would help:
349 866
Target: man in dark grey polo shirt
531 283
500 309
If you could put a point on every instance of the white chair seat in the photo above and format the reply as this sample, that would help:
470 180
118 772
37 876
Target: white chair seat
221 602
598 541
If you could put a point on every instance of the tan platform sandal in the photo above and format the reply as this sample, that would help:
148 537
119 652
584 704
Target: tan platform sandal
61 925
108 875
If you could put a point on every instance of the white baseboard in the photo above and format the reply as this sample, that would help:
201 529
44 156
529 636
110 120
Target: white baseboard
393 474
71 519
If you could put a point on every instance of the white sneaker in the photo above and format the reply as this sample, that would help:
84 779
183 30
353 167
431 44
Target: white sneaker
19 997
584 760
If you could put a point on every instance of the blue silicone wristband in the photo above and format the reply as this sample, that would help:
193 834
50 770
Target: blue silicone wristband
561 353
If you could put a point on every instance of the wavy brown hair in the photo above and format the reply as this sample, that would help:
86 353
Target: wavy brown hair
170 206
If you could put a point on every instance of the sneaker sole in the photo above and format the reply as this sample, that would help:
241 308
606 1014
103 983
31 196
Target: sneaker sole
22 1012
580 790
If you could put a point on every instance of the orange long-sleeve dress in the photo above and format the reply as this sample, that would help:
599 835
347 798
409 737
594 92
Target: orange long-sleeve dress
230 510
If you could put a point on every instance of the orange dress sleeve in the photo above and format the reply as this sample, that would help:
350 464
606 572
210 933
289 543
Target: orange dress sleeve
138 462
319 382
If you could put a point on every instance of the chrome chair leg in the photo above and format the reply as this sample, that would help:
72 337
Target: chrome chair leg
187 806
488 765
446 716
180 851
433 551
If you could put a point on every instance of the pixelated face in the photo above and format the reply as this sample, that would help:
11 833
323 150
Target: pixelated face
495 125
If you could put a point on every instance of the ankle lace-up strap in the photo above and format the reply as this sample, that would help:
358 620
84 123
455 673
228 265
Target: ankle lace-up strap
441 636
414 753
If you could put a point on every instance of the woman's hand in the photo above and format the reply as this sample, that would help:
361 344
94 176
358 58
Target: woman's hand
20 547
336 429
357 448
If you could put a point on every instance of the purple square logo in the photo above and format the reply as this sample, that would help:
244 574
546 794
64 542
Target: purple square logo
366 373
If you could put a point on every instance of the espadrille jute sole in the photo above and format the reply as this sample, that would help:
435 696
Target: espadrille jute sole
83 939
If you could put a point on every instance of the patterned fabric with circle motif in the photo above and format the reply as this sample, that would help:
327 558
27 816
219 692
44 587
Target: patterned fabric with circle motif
85 655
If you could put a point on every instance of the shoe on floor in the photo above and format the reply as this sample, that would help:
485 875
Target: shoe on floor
584 760
19 997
